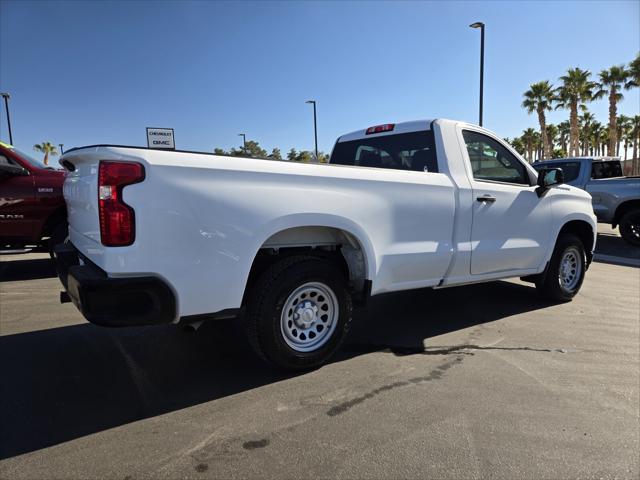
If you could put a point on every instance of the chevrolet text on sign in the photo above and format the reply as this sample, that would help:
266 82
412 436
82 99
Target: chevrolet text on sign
160 138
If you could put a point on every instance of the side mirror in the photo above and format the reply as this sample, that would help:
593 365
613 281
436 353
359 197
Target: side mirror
8 171
547 178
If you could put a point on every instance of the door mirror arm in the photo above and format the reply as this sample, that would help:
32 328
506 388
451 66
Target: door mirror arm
547 178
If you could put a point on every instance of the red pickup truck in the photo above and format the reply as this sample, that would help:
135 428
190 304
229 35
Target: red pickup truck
32 208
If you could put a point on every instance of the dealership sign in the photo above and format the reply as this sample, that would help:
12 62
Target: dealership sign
160 138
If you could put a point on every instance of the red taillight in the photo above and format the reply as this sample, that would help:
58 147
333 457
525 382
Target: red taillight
388 127
117 219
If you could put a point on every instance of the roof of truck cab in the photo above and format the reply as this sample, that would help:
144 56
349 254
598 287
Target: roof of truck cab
574 159
402 127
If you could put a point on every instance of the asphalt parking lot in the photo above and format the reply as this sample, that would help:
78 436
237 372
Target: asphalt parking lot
485 381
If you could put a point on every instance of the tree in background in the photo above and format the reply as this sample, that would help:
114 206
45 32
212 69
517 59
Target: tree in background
576 90
635 133
634 74
538 99
275 154
552 137
292 155
611 82
529 141
46 148
623 133
585 121
564 128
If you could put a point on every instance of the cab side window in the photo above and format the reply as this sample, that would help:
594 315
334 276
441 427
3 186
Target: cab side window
571 170
491 161
7 161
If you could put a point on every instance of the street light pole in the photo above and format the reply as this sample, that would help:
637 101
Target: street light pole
61 149
480 25
244 142
6 97
315 127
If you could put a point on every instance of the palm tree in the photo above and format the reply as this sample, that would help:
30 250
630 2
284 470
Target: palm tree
518 145
552 137
623 127
594 138
529 140
611 82
635 134
576 90
538 99
46 148
585 120
634 73
564 128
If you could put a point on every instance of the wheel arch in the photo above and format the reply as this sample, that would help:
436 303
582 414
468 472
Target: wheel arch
582 229
623 208
326 236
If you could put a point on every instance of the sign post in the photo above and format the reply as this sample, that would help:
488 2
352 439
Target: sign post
160 138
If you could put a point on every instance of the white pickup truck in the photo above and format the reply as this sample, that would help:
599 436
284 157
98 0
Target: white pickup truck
170 236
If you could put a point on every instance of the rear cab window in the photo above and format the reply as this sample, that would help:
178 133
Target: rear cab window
611 169
403 151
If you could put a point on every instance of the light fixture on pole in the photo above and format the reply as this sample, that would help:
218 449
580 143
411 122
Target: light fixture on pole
244 142
480 25
6 97
315 127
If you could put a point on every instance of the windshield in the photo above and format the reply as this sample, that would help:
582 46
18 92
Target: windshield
27 158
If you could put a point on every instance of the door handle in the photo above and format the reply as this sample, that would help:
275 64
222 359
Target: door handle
486 198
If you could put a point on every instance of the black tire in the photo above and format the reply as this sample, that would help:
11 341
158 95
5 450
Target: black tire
264 310
550 285
59 235
630 227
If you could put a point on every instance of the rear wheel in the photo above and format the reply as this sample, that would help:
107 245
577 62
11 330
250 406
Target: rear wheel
298 312
630 227
566 270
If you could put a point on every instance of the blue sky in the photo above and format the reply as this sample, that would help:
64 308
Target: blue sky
100 72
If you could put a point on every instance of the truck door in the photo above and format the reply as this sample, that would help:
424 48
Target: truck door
511 225
17 199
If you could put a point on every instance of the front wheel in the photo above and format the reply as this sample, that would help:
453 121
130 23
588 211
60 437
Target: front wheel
298 312
630 227
566 270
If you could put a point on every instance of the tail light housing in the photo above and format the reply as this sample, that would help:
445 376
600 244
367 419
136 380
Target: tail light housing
117 219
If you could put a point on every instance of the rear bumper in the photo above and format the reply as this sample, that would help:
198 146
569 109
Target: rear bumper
113 302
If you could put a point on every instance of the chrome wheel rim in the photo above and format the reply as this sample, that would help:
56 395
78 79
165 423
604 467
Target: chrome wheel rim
309 317
570 269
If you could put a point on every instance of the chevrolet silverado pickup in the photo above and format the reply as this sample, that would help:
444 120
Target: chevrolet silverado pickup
616 198
171 236
32 208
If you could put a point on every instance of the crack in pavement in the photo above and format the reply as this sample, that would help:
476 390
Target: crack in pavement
444 350
435 374
401 350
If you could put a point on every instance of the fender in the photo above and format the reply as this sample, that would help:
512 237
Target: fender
575 216
279 224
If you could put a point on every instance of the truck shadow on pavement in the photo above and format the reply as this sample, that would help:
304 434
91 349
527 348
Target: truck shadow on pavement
67 382
32 269
613 245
